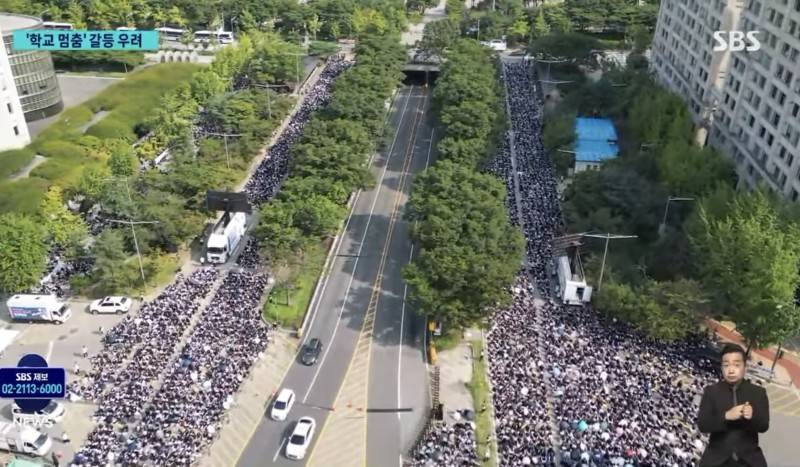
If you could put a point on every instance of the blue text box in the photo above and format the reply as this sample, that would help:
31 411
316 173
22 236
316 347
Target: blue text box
45 39
33 383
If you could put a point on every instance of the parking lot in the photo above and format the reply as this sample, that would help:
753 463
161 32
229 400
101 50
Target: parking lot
61 345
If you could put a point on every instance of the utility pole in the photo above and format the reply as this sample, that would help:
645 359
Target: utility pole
297 68
608 237
663 226
267 87
136 244
225 138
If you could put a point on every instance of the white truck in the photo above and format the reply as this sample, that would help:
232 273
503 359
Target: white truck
227 234
24 439
38 308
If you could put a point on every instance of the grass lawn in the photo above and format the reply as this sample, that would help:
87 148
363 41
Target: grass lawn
291 315
69 151
449 339
480 396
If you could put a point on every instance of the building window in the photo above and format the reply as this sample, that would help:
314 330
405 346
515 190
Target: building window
16 131
10 109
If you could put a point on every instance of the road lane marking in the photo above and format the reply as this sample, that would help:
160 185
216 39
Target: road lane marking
278 452
329 346
400 346
405 171
49 351
314 307
393 216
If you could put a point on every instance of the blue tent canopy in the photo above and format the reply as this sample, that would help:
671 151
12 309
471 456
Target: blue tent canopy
596 140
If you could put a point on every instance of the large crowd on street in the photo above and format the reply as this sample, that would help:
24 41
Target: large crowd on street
163 404
267 179
571 388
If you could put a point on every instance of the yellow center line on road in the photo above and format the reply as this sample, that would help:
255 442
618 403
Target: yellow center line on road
365 335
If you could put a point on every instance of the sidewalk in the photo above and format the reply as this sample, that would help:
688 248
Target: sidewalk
789 363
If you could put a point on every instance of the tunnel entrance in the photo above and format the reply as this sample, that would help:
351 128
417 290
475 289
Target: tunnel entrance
419 78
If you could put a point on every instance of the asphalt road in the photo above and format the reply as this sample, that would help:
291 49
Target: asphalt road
339 317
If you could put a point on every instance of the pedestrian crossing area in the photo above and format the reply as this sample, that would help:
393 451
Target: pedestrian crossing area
784 401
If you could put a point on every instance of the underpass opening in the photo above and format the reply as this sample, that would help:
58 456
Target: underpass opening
420 77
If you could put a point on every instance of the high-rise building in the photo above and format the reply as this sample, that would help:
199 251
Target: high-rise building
13 128
745 103
33 72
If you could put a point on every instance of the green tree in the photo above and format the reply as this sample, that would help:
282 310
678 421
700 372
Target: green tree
278 238
122 161
61 224
469 252
317 216
205 85
23 252
113 271
749 259
439 35
691 170
540 27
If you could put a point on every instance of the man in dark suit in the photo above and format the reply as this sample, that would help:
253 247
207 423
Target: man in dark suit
734 411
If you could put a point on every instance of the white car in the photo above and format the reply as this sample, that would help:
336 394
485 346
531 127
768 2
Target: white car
301 438
111 305
498 45
282 405
53 413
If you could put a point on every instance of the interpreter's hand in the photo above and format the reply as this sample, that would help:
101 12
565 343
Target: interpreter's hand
735 412
747 413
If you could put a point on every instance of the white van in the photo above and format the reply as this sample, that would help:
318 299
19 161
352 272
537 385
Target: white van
24 439
38 308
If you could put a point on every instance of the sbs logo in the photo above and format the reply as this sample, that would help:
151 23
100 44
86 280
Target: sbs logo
736 41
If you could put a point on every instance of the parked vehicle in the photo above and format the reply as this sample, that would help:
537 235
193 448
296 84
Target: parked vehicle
113 304
24 439
225 237
38 308
283 404
311 352
301 437
498 45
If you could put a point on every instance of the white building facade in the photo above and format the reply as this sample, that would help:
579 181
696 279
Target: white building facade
13 128
746 103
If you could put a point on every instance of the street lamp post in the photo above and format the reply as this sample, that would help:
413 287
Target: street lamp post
267 87
663 226
225 139
136 243
297 68
608 237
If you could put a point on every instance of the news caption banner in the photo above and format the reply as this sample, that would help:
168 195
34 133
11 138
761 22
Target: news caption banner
32 384
45 39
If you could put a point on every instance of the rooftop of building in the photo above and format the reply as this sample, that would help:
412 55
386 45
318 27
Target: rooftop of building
596 139
10 22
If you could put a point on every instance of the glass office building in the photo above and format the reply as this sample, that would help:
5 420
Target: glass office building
34 75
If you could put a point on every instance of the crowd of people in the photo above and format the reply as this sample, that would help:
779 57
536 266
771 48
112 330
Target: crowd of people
156 408
566 383
269 175
134 355
451 445
58 272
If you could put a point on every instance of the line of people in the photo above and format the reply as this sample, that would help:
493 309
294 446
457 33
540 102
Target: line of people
267 179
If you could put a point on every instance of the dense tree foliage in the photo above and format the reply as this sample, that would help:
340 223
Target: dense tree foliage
329 161
749 257
469 251
23 251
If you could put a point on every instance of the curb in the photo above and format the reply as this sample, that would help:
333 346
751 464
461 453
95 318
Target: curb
337 240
